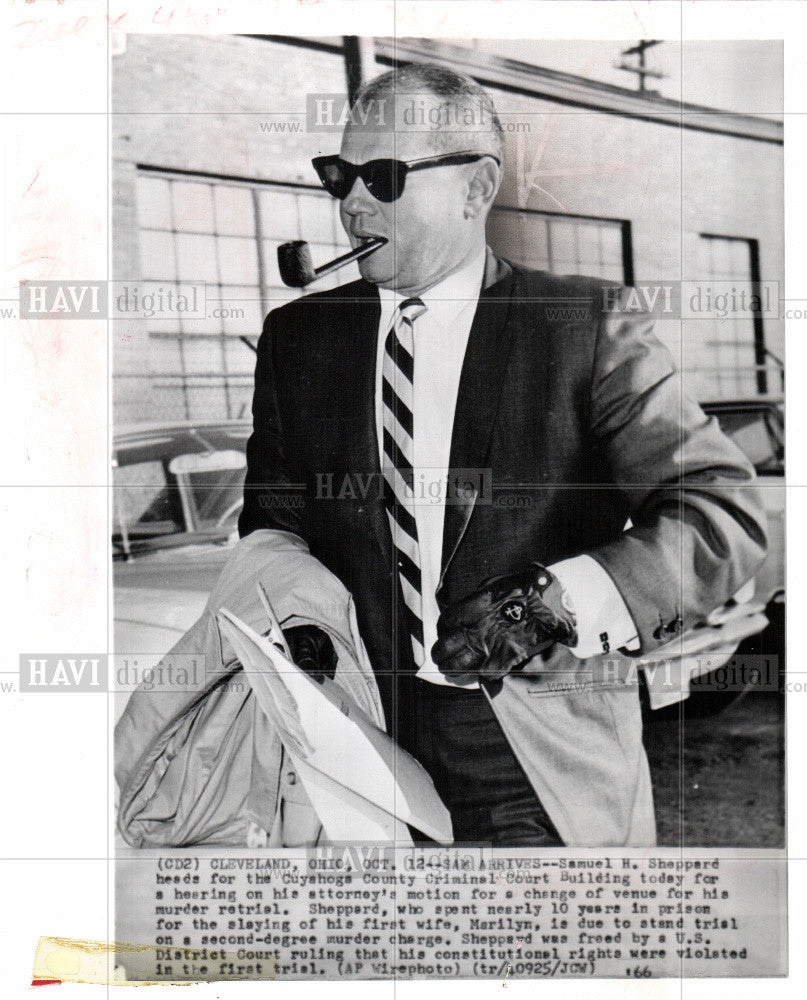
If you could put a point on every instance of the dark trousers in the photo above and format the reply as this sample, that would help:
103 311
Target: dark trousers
462 746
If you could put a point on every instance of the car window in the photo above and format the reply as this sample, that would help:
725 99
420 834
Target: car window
759 434
177 489
142 501
217 497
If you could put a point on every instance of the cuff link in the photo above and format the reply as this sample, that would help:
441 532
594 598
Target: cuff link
666 630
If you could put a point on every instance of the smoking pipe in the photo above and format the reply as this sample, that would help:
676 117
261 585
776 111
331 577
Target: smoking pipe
297 268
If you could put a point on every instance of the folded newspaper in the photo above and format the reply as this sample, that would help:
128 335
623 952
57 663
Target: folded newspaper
327 736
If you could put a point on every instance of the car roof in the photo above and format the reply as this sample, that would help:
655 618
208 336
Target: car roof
747 403
131 433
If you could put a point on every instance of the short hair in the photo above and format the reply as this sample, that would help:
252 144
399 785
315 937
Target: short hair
470 103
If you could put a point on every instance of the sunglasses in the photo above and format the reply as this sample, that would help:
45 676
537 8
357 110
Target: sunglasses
384 179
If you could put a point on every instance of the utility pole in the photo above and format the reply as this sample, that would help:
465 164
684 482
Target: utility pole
360 64
640 68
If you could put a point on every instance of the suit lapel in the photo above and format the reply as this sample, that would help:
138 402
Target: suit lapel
481 380
363 316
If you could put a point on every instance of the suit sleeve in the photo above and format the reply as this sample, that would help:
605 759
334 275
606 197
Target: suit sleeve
698 526
271 498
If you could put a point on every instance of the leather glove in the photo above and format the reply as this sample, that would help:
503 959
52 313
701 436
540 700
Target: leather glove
312 650
504 623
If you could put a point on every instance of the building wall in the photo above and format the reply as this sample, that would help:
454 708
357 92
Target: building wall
197 103
671 185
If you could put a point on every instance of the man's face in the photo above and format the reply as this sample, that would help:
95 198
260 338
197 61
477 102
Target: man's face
427 232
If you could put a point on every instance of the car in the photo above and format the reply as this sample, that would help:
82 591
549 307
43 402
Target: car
178 490
177 493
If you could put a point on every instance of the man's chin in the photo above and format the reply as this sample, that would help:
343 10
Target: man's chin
374 272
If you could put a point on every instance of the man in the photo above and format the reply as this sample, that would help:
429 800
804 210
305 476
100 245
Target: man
443 365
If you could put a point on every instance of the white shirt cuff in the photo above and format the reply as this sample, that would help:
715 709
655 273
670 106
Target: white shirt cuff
604 623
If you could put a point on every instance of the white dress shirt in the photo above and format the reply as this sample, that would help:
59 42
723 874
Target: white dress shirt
440 340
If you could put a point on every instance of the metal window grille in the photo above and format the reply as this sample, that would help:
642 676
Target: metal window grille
563 244
727 357
223 233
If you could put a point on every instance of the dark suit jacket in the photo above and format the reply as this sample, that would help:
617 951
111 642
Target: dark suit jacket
582 419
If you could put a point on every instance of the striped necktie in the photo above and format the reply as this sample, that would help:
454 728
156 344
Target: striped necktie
397 396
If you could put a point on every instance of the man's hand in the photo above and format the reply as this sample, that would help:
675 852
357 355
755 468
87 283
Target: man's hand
312 650
503 624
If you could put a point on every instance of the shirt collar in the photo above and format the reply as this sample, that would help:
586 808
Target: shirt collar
445 300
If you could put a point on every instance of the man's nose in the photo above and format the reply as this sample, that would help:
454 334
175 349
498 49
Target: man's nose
358 199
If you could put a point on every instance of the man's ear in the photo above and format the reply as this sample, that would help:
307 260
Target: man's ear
482 187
